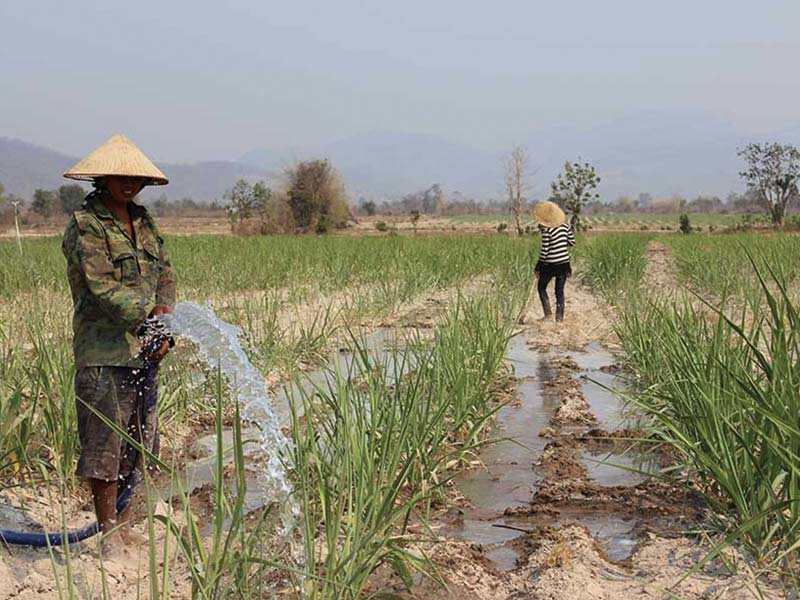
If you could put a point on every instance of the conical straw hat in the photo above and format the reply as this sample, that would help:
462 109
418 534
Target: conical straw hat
117 156
549 214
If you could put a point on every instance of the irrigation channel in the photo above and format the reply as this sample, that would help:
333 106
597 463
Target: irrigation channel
501 494
561 458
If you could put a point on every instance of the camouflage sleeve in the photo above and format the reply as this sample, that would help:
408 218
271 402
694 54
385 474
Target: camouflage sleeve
166 289
85 247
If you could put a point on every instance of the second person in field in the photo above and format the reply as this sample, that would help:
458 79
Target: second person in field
558 237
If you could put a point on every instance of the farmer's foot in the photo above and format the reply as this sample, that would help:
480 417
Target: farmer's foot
130 537
112 546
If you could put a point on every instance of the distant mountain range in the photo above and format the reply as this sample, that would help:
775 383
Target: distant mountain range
662 153
25 167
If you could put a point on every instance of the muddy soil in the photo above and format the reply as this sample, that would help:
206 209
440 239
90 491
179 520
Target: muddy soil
568 506
573 506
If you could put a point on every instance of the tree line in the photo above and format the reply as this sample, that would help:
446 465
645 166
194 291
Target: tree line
45 203
771 175
311 196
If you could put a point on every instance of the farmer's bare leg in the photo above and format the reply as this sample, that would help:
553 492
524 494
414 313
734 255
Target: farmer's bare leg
104 494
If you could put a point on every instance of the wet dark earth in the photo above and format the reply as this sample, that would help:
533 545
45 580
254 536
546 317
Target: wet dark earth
566 455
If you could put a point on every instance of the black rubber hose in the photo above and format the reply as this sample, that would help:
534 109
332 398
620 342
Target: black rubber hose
43 540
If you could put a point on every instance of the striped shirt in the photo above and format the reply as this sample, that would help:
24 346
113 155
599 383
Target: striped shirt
555 243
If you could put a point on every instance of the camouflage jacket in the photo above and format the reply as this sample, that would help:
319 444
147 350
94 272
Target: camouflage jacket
115 282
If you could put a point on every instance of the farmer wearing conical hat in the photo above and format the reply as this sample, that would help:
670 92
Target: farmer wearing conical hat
557 238
119 275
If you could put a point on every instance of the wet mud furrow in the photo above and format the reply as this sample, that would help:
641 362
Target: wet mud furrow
566 460
572 502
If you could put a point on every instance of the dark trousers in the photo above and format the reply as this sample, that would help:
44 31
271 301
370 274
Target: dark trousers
541 286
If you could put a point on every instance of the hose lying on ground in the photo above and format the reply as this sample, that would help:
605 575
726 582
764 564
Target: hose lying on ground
153 335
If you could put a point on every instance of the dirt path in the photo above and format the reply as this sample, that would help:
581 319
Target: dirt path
588 319
661 276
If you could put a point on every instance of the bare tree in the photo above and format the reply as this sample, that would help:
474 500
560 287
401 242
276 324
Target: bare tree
772 173
517 184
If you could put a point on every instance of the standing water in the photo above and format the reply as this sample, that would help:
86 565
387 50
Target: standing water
218 345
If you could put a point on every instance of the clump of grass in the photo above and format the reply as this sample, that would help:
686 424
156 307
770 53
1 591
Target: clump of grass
367 455
612 263
719 265
725 392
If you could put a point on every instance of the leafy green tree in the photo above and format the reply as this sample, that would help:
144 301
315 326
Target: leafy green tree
261 196
575 186
772 173
256 205
240 201
316 195
685 224
369 208
70 198
44 202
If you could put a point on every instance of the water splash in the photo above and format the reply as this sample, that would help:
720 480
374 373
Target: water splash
218 345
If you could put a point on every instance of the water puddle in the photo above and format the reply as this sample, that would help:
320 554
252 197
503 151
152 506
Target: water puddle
503 557
599 386
509 481
615 535
494 541
613 469
380 345
215 335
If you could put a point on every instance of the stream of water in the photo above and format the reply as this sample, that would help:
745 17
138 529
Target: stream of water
218 345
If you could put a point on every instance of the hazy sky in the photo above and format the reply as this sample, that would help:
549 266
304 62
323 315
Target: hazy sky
201 80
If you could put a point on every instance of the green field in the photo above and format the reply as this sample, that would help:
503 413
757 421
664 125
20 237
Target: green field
715 364
718 369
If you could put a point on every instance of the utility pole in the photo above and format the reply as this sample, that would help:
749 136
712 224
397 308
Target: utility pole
16 225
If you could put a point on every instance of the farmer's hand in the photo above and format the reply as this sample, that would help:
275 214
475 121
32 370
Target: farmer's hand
159 354
159 310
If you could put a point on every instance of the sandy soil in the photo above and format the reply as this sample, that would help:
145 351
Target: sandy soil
661 276
587 319
559 559
400 224
569 565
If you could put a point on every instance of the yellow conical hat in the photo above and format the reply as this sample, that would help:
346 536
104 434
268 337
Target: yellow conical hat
549 214
117 156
